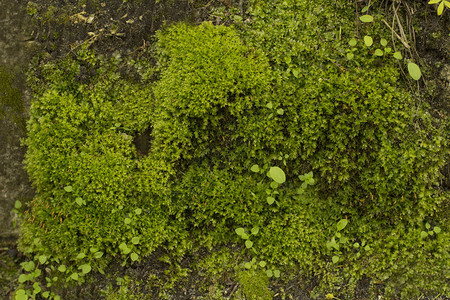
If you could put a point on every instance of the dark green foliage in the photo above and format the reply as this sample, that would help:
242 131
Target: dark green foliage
93 193
277 91
254 285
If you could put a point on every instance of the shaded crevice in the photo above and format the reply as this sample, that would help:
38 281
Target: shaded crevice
143 141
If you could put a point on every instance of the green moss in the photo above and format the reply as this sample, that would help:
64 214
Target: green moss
254 285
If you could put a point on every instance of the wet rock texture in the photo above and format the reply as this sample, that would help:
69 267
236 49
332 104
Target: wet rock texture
14 56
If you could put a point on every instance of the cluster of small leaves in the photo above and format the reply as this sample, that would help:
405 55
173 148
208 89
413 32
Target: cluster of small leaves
93 193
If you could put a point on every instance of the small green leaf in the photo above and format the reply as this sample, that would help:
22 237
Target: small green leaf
74 276
135 240
366 18
86 268
42 259
21 295
274 185
255 168
365 8
81 255
262 264
269 105
367 248
36 288
79 201
270 200
434 1
368 40
98 254
62 268
383 42
93 250
398 55
350 56
387 50
378 52
17 204
277 175
23 278
255 230
335 259
414 71
437 229
68 188
134 256
46 294
127 221
352 42
28 266
247 265
240 231
356 245
138 211
280 111
341 224
276 273
427 225
269 273
248 244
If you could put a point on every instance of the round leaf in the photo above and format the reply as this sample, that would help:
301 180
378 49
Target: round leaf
134 256
262 264
341 224
23 278
368 41
248 244
81 255
62 268
383 42
437 229
398 55
68 188
276 273
255 230
20 295
98 254
74 276
352 42
350 56
135 240
138 211
247 265
270 200
269 273
277 174
42 259
423 234
414 71
18 204
127 221
86 268
240 231
366 18
335 259
79 201
378 52
255 168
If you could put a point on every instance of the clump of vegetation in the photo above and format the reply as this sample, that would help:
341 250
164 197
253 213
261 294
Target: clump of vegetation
240 118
